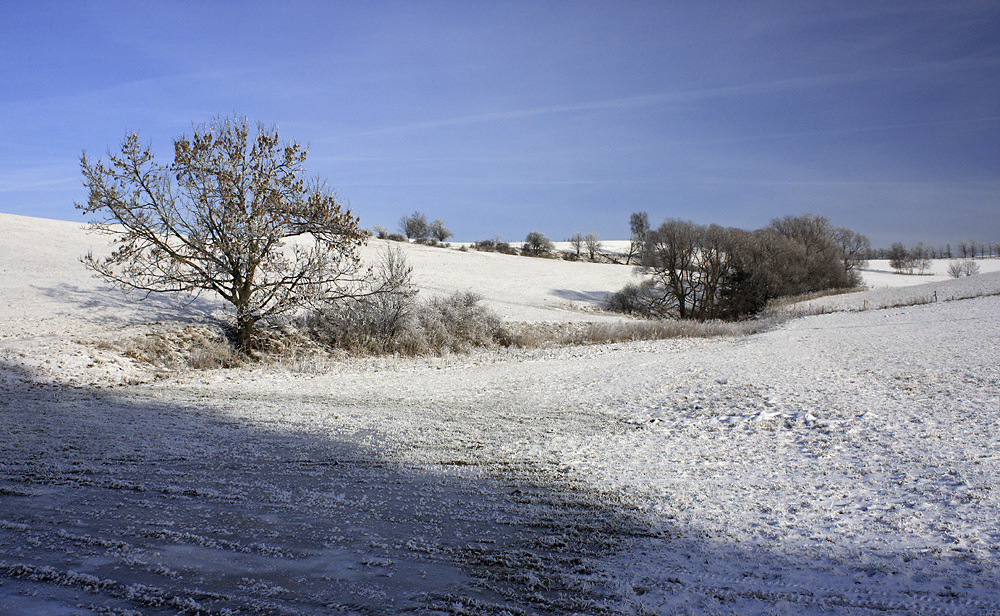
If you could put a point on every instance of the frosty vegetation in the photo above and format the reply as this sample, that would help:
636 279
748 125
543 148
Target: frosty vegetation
218 218
711 272
840 463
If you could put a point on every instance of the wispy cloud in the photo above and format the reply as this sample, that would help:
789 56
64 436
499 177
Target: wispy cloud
50 177
692 95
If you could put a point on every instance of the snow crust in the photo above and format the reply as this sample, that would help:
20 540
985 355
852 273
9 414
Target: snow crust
841 463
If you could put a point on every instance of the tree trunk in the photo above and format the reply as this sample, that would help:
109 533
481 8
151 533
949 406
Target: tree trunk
244 330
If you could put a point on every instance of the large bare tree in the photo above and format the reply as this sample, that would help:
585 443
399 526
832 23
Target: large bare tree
219 219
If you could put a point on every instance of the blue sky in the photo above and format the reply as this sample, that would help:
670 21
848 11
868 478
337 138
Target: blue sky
506 117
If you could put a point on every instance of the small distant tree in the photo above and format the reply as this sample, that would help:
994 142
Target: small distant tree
439 232
639 226
380 231
414 226
920 257
947 251
900 259
576 242
967 267
955 269
973 249
218 218
537 244
593 245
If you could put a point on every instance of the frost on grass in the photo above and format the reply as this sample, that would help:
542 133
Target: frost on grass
833 464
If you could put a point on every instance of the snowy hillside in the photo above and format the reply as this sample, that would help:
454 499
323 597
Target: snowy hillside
838 464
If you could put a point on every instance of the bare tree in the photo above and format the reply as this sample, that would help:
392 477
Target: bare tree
670 257
967 267
593 245
639 226
218 219
955 269
822 267
973 249
900 259
537 244
854 248
414 226
438 231
920 256
698 272
576 241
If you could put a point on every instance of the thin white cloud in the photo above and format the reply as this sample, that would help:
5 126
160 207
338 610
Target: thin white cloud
50 177
688 96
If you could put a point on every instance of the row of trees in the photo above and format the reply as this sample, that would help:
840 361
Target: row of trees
963 250
589 242
712 272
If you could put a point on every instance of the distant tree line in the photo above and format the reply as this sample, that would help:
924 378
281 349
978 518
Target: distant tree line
711 272
970 249
917 260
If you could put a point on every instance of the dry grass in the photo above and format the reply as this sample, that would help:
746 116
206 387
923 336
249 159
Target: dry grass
457 323
536 335
175 347
782 303
628 331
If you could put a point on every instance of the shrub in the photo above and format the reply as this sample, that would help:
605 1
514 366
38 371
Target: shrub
495 245
389 319
439 232
455 323
535 243
967 267
632 299
415 226
458 322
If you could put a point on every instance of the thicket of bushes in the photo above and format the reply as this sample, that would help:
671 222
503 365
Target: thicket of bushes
389 318
407 326
711 272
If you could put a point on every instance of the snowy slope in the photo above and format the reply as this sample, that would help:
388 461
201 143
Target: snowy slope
839 464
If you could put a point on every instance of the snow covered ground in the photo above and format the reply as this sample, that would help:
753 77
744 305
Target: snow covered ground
842 463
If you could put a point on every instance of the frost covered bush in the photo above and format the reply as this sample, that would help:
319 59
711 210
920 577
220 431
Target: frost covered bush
390 319
967 267
495 245
374 317
402 325
459 322
536 244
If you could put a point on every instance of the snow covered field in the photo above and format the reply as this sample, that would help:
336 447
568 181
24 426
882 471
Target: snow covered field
843 463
